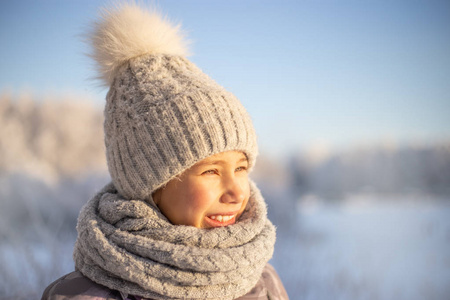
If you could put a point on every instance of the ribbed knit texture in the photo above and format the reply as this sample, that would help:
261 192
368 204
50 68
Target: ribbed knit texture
128 245
163 115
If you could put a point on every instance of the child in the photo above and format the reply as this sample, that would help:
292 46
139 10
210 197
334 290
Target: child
180 219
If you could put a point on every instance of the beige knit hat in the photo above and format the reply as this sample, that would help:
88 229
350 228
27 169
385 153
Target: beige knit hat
162 113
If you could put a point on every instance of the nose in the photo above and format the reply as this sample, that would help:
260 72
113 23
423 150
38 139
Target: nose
234 192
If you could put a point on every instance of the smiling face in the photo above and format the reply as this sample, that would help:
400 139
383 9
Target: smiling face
212 193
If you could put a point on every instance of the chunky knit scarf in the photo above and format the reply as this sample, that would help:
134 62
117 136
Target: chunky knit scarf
129 246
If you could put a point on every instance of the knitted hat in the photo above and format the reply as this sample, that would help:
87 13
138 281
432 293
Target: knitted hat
162 113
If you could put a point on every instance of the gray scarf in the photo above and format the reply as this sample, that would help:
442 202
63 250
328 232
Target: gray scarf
129 246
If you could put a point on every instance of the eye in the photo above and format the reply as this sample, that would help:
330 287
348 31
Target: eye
241 169
209 172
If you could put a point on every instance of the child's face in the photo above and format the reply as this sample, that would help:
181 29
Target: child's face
212 193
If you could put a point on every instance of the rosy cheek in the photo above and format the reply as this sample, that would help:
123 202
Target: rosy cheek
200 198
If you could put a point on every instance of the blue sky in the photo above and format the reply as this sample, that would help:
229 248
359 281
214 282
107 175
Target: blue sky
337 73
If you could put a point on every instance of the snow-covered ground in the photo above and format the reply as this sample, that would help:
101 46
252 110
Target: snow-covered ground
367 249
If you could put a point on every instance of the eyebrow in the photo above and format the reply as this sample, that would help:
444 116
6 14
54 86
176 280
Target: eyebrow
219 161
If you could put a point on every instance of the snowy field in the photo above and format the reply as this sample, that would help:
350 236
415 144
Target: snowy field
362 248
367 249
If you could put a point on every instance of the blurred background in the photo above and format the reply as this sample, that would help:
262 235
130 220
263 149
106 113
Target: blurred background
351 103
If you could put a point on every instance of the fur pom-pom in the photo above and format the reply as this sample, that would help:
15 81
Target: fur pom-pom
128 31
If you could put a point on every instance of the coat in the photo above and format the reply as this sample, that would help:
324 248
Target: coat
75 286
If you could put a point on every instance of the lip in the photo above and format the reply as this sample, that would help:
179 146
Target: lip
215 223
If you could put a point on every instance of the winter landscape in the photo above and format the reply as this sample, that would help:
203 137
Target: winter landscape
368 222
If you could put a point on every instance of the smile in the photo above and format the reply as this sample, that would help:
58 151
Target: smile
220 220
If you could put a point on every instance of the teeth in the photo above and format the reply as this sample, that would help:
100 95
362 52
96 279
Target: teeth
222 218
